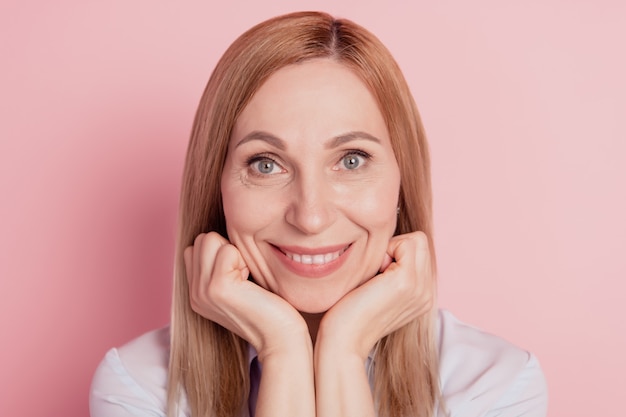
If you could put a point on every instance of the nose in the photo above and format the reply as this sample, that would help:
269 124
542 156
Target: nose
312 204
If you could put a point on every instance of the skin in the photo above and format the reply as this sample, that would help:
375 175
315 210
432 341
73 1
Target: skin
310 171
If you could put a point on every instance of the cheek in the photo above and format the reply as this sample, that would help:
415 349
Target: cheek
247 216
247 211
236 203
241 216
377 202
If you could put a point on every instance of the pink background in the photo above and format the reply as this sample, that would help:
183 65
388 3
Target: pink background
524 105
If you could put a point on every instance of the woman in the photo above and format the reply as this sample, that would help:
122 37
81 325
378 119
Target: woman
304 279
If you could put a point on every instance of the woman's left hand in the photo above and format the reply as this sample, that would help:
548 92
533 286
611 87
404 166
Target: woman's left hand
403 291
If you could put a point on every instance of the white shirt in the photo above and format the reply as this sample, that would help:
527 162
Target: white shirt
480 374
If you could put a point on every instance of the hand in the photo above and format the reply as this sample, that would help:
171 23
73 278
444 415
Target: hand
219 290
402 292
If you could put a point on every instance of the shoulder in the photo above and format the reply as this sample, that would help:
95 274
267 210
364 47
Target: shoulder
131 380
484 375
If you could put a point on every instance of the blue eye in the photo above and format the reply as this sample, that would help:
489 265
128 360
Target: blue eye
265 166
351 161
261 165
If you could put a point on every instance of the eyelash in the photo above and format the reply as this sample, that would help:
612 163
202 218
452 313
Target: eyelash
258 158
365 155
270 157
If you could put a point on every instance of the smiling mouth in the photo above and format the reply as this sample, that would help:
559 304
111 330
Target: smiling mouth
317 259
313 262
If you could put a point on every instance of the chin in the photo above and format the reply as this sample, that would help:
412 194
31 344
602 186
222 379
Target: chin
313 302
313 309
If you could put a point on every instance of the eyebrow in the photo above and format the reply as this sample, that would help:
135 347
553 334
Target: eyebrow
350 136
333 143
264 136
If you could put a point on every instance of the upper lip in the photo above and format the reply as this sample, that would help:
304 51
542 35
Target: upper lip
313 256
322 250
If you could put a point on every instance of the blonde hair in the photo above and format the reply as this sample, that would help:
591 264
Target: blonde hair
209 364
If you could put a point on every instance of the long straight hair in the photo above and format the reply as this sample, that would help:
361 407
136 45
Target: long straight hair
208 364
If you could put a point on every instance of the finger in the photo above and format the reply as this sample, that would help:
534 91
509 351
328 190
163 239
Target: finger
202 257
423 261
417 243
230 263
193 267
402 250
387 259
424 267
411 253
192 259
206 253
188 259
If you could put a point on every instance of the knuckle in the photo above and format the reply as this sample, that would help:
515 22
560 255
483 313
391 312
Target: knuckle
216 238
420 239
198 239
227 252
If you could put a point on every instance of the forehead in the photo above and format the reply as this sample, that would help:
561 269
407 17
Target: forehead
319 97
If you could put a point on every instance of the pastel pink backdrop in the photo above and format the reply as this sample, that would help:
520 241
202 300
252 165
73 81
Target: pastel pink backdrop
524 106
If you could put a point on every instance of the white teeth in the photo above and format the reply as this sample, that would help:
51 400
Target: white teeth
320 259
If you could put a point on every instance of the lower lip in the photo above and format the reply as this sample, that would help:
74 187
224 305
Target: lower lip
312 270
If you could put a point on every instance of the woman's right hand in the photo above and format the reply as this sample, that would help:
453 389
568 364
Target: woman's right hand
219 290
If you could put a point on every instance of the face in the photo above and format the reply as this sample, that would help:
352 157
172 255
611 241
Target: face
310 186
